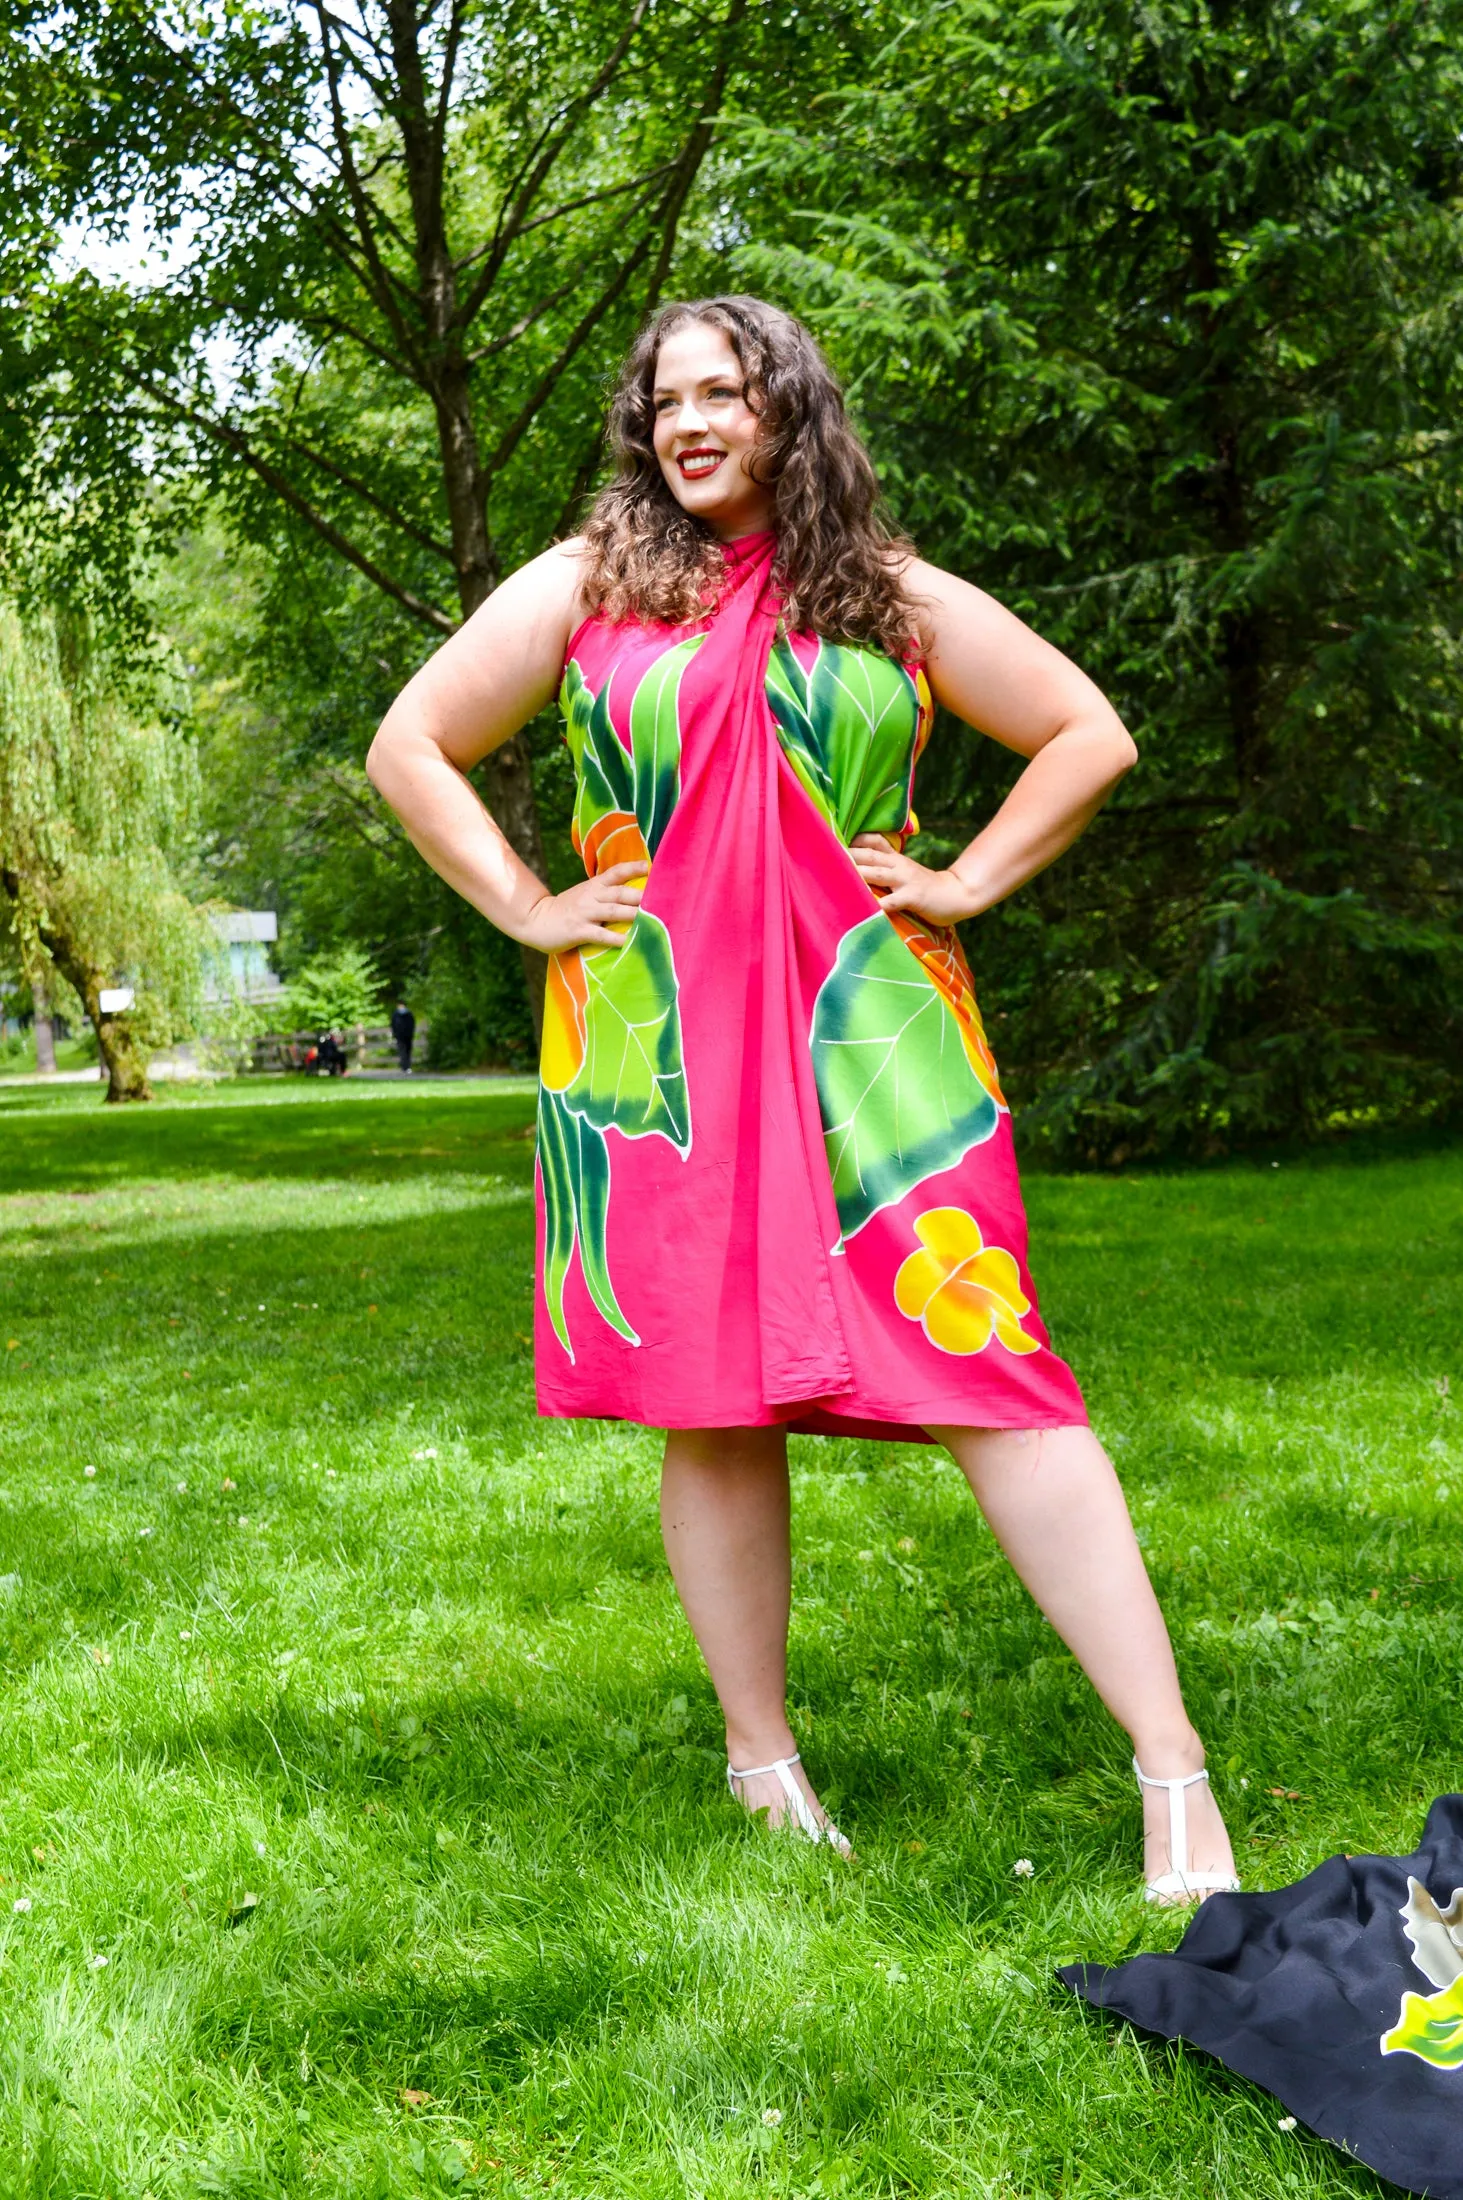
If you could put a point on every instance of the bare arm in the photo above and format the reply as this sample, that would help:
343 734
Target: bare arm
495 673
992 671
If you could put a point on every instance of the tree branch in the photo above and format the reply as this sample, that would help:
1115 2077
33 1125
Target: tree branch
551 142
347 329
361 489
449 71
683 175
233 439
513 435
697 146
267 153
521 327
377 832
584 474
385 281
572 206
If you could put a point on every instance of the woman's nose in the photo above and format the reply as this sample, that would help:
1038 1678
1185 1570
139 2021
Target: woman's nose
690 420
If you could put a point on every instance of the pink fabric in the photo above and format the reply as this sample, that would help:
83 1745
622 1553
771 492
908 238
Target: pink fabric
727 1258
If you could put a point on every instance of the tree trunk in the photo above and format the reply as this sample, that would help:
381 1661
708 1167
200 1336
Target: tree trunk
125 1064
122 1059
507 775
45 1035
1242 648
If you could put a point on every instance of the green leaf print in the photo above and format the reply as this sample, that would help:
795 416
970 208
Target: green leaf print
593 1178
602 767
633 1079
560 1209
848 727
899 1099
575 1163
642 781
631 1076
655 739
1430 2026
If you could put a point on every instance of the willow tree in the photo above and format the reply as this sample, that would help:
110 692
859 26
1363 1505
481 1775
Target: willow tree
95 807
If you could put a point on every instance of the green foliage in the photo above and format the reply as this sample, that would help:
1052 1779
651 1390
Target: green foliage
472 996
281 715
335 991
427 1653
1153 319
417 304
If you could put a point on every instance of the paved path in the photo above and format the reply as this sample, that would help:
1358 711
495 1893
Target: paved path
169 1072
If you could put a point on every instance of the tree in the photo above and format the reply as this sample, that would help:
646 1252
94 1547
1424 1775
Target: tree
287 670
404 224
1153 316
335 991
96 802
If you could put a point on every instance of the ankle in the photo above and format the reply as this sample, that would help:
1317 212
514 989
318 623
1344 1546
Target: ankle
1168 1752
759 1745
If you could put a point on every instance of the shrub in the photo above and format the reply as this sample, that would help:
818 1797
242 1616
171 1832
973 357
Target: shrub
335 991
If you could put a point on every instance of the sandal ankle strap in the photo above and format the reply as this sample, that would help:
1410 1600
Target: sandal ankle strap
750 1772
1179 1879
798 1802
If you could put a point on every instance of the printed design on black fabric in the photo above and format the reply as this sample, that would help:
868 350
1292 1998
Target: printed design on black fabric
1431 2025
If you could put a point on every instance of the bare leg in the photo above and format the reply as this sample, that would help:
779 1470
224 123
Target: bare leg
1058 1512
724 1514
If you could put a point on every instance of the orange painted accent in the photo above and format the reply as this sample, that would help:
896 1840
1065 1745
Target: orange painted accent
939 950
926 719
565 996
614 838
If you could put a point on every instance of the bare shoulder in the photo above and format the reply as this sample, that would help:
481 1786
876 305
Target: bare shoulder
945 603
549 589
990 668
573 557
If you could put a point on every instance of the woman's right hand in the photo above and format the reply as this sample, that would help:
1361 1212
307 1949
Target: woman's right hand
582 916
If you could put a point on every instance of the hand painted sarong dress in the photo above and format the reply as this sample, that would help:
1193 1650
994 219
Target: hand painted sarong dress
776 1180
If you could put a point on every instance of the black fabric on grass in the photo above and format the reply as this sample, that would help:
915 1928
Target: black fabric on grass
1297 1989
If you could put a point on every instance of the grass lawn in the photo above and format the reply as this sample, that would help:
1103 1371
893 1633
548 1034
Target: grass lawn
18 1054
362 1822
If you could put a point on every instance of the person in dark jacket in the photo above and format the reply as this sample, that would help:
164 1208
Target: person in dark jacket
403 1031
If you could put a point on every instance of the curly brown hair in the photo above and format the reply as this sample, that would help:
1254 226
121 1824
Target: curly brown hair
839 563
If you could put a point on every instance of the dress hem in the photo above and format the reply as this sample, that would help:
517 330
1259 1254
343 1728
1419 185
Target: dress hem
820 1417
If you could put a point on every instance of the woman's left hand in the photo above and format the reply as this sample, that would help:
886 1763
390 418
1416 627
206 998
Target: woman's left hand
940 897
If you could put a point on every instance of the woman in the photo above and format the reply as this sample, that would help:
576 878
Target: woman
777 1187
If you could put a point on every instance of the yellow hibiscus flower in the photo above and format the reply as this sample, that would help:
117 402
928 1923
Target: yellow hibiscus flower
959 1289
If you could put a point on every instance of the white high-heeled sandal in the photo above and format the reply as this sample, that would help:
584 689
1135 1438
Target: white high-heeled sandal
1177 1881
802 1810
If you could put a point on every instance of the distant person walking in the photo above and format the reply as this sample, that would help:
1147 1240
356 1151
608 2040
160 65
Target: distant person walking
403 1031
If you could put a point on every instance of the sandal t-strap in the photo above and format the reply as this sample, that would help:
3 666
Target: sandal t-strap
1178 1881
802 1809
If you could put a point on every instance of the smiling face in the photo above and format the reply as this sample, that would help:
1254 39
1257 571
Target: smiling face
705 432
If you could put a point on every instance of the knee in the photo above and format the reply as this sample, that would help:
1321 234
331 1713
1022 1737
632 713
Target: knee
726 1450
1027 1452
